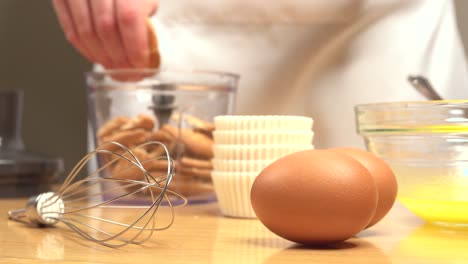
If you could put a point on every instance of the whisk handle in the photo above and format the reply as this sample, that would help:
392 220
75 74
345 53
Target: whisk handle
41 210
17 215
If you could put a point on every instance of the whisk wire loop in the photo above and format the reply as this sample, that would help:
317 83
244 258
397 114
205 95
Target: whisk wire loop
86 205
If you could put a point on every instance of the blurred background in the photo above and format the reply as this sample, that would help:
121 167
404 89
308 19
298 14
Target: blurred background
37 59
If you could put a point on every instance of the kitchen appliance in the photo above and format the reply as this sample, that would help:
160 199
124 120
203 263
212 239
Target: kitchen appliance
21 173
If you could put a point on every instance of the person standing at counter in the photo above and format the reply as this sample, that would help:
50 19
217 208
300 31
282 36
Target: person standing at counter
312 58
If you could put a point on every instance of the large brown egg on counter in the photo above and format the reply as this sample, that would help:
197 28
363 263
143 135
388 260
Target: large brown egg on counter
315 197
384 178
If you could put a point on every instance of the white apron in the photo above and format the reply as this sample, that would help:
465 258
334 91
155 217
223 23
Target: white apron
317 58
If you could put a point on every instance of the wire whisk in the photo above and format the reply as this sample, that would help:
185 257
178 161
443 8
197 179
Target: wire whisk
99 207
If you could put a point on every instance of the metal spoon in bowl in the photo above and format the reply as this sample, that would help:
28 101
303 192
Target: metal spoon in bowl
422 85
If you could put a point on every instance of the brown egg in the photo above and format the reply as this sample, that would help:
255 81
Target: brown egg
315 197
385 180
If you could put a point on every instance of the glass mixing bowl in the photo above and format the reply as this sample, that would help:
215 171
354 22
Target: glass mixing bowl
426 145
171 106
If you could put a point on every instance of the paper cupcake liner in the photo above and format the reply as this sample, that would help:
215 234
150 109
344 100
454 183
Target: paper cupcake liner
262 137
240 165
233 192
256 152
272 122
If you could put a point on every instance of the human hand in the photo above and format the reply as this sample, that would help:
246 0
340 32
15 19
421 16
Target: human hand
113 33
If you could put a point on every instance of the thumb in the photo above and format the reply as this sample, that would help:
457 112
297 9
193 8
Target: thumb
151 7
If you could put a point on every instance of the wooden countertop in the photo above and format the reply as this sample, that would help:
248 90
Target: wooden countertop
201 235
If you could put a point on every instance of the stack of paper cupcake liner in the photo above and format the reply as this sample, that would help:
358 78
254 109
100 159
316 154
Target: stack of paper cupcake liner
244 146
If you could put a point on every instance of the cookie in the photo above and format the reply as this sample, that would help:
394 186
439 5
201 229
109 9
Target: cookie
196 163
111 126
163 135
142 121
195 144
154 55
128 138
125 169
194 122
202 174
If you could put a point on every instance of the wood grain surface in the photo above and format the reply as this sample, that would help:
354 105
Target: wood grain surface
201 234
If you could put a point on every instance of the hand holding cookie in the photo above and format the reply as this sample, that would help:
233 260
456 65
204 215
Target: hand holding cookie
111 33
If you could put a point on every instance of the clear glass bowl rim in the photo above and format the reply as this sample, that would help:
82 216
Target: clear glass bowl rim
411 104
438 116
227 81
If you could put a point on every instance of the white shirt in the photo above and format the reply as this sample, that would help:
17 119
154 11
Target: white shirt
317 58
